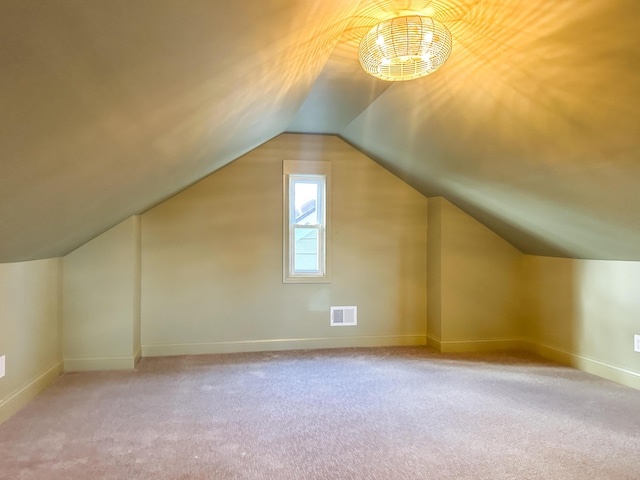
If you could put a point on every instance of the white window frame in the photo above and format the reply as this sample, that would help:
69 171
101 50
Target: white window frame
313 171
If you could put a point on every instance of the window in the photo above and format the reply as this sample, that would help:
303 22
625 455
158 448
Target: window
306 215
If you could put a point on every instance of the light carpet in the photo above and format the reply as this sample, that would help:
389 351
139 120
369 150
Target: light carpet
374 413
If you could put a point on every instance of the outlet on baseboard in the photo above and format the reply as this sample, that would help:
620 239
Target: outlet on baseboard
2 366
636 343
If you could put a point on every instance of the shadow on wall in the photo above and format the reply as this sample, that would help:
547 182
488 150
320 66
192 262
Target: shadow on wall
528 107
584 313
551 307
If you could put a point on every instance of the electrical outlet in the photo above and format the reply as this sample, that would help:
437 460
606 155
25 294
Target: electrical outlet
636 343
2 366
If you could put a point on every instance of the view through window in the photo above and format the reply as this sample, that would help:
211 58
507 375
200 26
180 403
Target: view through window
306 194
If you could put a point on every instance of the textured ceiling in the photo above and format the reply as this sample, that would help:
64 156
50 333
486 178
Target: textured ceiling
532 126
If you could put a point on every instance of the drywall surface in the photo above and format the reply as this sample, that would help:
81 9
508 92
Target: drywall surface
481 292
29 330
137 281
212 258
100 285
434 270
585 313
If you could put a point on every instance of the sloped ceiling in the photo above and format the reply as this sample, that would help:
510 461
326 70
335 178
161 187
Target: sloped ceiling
532 126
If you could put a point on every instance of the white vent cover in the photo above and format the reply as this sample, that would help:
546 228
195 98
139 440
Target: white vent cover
344 316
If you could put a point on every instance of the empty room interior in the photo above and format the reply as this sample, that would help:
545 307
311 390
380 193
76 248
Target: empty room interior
206 205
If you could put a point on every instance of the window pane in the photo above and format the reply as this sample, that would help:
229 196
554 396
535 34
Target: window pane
306 200
305 216
306 249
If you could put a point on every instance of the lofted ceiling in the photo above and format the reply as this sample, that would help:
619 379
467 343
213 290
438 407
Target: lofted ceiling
109 107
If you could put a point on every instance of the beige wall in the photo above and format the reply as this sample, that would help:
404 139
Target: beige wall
585 313
434 272
480 284
101 301
212 258
29 330
202 272
137 281
579 312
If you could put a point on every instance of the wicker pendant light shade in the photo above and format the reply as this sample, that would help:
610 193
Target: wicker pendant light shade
404 48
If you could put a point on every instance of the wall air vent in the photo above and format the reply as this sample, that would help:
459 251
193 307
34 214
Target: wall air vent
344 316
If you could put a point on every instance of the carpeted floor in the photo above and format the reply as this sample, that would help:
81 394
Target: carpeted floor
380 413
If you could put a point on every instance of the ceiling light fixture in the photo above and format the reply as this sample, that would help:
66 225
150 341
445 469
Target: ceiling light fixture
404 48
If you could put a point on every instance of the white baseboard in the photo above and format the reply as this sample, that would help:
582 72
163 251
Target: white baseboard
587 364
581 362
18 399
283 344
477 346
94 364
434 342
